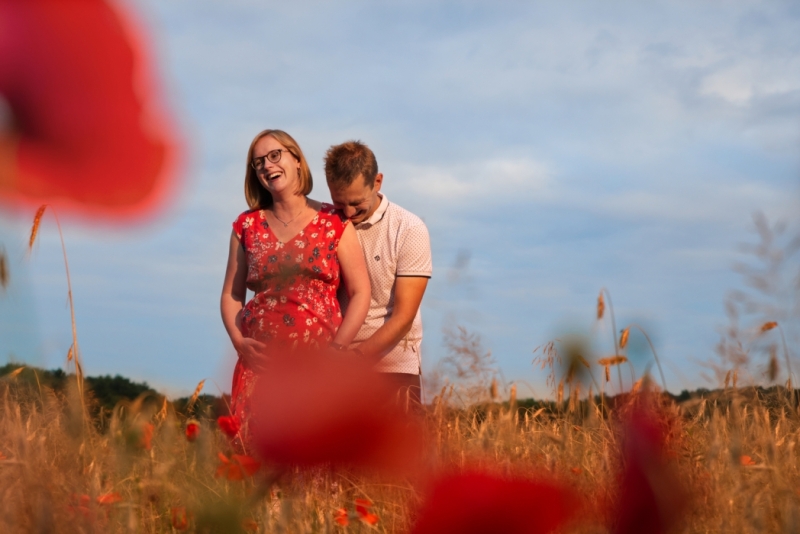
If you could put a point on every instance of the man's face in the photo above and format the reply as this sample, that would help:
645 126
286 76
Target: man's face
358 201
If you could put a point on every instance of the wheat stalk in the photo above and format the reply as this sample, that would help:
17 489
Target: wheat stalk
37 219
601 306
195 395
15 372
74 351
624 338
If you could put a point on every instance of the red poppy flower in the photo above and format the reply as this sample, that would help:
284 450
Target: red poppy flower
229 424
146 438
248 464
362 509
476 503
315 409
341 518
228 469
79 504
192 430
109 498
87 127
180 519
237 467
249 525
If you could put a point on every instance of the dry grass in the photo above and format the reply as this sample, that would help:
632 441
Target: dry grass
735 452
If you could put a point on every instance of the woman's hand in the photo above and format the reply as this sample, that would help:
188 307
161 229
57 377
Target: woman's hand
234 290
253 353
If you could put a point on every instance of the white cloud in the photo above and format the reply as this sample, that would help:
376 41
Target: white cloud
495 180
761 77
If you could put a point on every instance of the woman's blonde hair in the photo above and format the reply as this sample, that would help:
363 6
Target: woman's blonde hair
254 192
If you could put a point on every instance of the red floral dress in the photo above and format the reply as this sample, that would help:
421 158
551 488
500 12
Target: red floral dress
295 286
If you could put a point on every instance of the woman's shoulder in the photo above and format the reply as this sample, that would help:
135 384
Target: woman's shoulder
245 220
248 213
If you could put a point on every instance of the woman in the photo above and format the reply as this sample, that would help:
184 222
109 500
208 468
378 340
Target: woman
290 251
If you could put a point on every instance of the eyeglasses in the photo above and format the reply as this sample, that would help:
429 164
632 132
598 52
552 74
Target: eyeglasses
274 156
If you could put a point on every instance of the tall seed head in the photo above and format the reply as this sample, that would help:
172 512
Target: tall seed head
612 360
623 338
16 372
196 394
601 305
37 219
766 327
773 364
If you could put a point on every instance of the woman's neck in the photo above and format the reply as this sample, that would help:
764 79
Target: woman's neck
288 206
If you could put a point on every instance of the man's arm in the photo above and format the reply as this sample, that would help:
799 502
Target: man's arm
408 292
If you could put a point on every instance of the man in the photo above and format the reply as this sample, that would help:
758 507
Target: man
397 249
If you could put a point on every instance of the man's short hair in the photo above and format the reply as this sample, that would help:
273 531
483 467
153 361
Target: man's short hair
345 162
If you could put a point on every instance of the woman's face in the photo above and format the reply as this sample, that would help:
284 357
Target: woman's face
281 175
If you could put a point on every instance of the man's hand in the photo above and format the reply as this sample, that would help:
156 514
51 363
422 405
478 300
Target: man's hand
408 292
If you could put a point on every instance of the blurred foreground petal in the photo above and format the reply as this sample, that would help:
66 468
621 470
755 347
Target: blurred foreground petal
651 497
480 503
317 409
86 132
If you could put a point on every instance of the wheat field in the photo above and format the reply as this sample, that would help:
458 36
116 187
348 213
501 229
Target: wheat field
151 470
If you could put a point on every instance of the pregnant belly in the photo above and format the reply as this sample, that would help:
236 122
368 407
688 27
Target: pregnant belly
267 319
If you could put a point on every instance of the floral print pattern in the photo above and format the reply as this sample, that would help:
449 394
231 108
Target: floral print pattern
294 285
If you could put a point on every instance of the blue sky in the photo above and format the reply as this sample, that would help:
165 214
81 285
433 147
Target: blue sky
556 148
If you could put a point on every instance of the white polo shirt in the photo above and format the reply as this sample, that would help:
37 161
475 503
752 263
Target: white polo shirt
395 243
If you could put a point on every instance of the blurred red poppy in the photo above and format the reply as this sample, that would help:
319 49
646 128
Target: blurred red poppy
109 498
229 424
146 438
651 497
341 518
180 519
746 460
481 503
192 430
249 525
237 467
362 509
86 131
79 504
317 409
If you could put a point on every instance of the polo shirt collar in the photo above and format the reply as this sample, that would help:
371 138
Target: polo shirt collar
378 214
